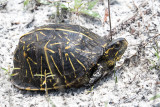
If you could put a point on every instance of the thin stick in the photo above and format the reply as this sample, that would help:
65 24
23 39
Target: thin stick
110 27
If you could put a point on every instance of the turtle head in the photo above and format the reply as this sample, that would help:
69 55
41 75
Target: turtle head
114 51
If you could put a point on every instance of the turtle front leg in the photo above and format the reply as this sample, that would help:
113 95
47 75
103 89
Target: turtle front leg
89 80
97 75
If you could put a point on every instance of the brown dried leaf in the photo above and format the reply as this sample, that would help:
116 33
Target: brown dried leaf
106 15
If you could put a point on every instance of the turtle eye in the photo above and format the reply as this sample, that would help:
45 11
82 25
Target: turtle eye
117 46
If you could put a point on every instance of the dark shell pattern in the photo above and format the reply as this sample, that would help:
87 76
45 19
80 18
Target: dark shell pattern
56 55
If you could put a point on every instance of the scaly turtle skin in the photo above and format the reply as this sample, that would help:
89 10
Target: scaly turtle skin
59 56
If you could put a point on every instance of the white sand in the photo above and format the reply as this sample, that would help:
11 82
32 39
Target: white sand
136 84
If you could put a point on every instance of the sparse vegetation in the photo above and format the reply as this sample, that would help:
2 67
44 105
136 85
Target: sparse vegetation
91 89
78 7
50 102
106 103
85 8
26 2
155 97
116 81
7 71
156 50
155 63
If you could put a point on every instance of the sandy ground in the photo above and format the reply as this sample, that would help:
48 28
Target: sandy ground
137 82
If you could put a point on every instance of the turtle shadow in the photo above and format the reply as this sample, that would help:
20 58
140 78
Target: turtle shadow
69 91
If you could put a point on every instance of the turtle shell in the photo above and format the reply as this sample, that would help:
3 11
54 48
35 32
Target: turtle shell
55 56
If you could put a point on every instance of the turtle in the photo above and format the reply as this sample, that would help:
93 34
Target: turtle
61 56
